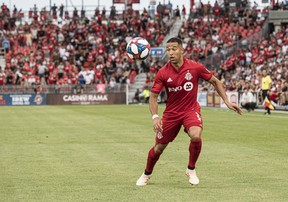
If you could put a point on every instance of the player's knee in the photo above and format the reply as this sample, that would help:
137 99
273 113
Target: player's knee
195 138
195 134
158 151
159 148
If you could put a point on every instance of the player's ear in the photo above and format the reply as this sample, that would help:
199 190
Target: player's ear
182 50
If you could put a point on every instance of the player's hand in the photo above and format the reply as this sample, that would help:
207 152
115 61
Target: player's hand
157 125
234 107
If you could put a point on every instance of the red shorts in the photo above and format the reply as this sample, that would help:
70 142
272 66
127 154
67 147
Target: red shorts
172 125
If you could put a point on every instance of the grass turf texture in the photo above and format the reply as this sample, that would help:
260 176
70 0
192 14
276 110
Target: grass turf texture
96 153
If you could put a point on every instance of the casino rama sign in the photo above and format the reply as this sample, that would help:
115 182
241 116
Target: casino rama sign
86 99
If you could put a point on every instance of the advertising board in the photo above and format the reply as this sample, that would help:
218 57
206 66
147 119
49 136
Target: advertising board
86 99
22 99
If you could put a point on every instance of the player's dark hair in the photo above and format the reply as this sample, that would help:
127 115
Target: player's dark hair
175 39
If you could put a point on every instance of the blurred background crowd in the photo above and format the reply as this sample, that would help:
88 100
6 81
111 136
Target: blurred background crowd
47 48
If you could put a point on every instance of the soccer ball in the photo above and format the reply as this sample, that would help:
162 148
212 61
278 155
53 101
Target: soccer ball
138 49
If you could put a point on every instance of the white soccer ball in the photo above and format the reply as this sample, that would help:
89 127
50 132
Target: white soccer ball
138 49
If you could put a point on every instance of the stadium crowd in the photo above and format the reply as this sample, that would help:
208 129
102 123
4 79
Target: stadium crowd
78 49
83 50
214 30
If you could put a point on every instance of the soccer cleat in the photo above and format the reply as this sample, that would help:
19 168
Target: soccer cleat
193 179
143 180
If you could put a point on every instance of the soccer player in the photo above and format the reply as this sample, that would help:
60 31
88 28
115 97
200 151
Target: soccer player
180 78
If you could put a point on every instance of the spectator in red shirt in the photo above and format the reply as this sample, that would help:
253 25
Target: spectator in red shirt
4 8
2 77
183 12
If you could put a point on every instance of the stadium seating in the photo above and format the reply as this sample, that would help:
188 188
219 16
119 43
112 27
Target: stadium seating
59 50
52 51
222 44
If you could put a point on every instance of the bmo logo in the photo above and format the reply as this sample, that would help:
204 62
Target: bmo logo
188 86
175 89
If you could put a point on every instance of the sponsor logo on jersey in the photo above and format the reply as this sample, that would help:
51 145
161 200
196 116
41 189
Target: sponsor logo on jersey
188 76
188 86
175 89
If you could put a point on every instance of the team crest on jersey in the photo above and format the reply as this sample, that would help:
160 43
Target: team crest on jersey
188 76
159 135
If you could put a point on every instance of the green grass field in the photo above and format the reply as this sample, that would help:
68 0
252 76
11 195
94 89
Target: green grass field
96 153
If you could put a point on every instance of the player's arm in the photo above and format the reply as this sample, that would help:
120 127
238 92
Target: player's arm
153 105
220 90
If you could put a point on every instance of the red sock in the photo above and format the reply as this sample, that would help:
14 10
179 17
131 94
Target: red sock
194 150
151 160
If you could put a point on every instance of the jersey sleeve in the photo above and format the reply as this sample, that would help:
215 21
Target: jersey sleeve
204 73
158 83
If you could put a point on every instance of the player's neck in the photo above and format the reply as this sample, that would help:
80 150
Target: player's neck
178 64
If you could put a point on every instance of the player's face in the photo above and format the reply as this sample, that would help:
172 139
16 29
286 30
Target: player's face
175 52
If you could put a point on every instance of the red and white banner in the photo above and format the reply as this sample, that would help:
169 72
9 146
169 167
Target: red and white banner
232 97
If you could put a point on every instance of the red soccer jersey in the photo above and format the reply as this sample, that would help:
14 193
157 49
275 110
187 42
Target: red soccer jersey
182 86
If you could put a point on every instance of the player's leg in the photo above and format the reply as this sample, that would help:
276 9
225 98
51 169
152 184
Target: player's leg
195 145
171 128
153 156
194 151
193 126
